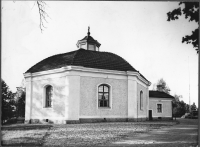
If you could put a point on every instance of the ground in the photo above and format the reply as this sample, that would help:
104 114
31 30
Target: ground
156 133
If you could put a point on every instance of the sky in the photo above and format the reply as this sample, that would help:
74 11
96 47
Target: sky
137 31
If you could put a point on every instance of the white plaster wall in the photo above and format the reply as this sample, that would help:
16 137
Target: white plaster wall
72 105
144 112
60 94
89 98
28 100
132 97
166 107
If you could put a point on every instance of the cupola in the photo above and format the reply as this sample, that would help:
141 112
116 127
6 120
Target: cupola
88 43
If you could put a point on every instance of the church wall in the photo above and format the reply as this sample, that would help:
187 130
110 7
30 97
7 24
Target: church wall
142 113
60 93
166 107
89 98
75 96
132 98
28 100
73 100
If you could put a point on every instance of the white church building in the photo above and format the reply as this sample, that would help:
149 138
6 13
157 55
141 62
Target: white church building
85 85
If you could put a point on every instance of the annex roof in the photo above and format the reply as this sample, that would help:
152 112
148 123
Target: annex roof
159 94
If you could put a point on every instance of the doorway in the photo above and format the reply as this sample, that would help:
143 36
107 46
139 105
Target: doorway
150 115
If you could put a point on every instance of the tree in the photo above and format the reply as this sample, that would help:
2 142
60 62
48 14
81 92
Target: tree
8 107
191 11
187 108
193 107
179 107
176 106
162 86
20 101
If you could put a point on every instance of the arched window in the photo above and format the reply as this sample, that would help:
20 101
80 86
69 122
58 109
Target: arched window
48 96
141 100
103 95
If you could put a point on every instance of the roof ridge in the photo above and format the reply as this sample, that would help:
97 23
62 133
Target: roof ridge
74 56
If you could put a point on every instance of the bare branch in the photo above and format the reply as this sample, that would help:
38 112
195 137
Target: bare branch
42 12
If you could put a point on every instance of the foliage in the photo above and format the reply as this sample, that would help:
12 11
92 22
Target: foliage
8 107
193 107
20 101
191 12
187 108
180 107
162 86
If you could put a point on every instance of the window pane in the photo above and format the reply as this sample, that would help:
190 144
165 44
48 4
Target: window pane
159 107
100 88
100 95
105 103
91 47
101 103
103 97
106 96
105 88
49 94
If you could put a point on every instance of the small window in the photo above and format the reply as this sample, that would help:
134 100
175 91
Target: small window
91 47
48 96
103 95
141 100
159 108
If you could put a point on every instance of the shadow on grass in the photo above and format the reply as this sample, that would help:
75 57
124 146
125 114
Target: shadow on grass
24 137
23 141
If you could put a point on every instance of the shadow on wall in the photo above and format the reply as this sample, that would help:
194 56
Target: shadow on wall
59 100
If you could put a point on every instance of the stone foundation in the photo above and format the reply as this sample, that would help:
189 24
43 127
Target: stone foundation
162 118
96 120
45 121
83 120
137 119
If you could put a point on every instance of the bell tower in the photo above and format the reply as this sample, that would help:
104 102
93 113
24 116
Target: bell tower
88 43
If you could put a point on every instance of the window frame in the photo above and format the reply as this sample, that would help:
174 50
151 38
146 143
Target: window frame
160 108
45 96
109 96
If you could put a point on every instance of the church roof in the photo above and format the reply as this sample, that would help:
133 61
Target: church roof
85 58
159 94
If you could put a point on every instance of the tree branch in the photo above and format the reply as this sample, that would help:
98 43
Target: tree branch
191 12
43 15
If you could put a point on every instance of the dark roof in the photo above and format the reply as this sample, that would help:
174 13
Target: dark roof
159 94
85 58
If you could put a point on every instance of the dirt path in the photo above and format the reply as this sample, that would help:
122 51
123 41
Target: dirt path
184 134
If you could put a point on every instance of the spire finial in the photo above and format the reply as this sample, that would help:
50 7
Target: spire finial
88 31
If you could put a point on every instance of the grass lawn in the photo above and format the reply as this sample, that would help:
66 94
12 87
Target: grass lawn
89 134
33 137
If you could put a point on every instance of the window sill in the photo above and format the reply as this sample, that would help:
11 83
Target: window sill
104 108
47 107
